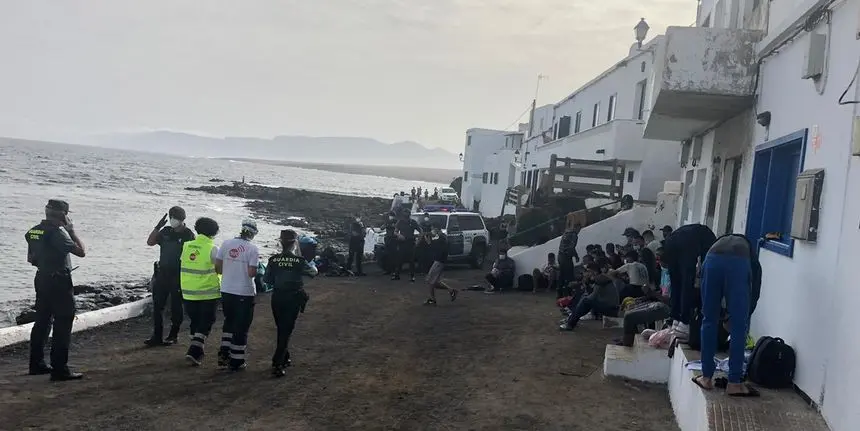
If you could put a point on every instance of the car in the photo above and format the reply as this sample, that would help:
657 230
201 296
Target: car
468 237
448 194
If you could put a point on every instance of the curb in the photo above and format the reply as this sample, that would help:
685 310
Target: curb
90 319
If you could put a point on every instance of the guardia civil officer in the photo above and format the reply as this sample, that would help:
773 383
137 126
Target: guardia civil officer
200 284
165 290
48 247
284 273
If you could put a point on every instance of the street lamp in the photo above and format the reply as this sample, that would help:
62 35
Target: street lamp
641 30
461 157
516 156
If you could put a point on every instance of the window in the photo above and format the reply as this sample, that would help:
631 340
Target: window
639 103
523 177
577 126
496 178
470 222
775 170
595 117
630 176
529 179
484 177
555 131
610 113
642 67
468 140
453 224
563 126
465 176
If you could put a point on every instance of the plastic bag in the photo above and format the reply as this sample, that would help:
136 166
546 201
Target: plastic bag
661 339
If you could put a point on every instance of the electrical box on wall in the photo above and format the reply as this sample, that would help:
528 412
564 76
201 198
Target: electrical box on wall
813 58
855 137
807 205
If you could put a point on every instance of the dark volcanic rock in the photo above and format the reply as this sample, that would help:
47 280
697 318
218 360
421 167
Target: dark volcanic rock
94 297
326 214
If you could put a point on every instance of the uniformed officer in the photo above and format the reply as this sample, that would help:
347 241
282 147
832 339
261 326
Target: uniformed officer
166 287
284 272
200 284
390 241
48 246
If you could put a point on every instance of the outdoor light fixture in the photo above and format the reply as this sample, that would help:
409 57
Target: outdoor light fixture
641 31
461 157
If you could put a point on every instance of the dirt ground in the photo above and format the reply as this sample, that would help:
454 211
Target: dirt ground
366 355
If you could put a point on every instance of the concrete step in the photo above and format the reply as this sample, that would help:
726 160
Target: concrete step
699 410
640 362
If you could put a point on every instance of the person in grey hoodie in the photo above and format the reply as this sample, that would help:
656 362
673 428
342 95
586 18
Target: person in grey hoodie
603 298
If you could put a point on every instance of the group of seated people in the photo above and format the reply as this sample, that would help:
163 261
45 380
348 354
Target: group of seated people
632 283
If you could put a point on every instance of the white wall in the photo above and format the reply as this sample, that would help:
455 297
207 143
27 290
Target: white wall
480 143
807 299
493 195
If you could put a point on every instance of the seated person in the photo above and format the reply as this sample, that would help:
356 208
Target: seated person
502 275
637 275
614 259
603 298
655 308
547 277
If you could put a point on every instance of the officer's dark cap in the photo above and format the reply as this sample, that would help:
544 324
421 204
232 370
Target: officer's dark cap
288 235
58 205
667 228
206 226
177 212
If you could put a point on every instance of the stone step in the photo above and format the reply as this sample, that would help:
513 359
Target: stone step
640 362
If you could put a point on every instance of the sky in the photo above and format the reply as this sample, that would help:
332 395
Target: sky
394 70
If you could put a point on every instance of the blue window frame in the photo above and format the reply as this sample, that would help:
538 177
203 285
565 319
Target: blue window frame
775 169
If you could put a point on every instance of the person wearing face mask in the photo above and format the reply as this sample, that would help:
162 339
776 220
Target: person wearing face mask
390 242
49 244
170 239
502 275
237 261
357 233
424 251
439 250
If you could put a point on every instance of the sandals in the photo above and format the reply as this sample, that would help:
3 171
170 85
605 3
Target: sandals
751 392
699 383
430 301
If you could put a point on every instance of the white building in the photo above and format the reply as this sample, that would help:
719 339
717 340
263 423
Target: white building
749 132
604 120
499 175
480 144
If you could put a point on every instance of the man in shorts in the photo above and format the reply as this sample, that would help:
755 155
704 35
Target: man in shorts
439 249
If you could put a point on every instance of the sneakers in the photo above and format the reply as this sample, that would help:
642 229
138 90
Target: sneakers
237 368
279 371
453 293
156 342
430 301
565 327
65 377
412 279
223 359
490 290
171 340
395 277
40 369
195 362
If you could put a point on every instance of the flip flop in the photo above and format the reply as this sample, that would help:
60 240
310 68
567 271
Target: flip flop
699 384
751 393
453 295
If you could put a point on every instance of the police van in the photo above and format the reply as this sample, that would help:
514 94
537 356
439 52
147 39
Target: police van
468 237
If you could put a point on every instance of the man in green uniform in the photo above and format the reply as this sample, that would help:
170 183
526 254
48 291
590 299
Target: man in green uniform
48 247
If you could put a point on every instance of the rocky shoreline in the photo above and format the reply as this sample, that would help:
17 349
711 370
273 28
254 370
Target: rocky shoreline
88 297
325 214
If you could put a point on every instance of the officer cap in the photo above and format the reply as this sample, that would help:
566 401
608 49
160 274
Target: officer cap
666 229
59 205
288 235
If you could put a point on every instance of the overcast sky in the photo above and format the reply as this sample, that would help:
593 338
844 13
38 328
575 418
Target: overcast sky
422 70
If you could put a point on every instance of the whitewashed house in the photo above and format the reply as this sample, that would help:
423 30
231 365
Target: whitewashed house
499 175
760 92
604 120
480 144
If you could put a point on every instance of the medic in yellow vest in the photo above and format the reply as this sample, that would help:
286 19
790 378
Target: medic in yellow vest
200 284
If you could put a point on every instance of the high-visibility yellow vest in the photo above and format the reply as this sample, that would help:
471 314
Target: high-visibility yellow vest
197 276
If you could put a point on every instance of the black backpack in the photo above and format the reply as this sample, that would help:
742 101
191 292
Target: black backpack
772 363
525 283
695 337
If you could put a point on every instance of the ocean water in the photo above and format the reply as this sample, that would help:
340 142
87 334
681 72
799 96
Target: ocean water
117 196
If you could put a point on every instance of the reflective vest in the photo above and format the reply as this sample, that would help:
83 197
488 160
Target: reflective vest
198 279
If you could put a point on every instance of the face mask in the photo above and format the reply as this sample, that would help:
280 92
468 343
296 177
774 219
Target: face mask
502 256
357 220
174 223
391 217
426 218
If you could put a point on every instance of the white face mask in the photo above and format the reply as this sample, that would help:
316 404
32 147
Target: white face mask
357 220
174 223
502 256
426 218
391 217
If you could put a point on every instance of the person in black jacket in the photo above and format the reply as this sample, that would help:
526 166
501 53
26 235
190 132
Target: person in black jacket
682 251
284 273
49 244
389 257
439 250
356 245
405 238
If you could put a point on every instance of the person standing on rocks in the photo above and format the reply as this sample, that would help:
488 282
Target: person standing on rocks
201 285
356 245
49 244
284 273
166 287
405 236
237 261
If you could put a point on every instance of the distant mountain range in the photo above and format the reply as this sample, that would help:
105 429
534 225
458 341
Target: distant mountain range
364 151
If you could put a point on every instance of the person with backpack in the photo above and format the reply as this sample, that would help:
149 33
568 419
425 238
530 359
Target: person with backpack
727 272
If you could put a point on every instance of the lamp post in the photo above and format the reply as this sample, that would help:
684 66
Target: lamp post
641 30
461 157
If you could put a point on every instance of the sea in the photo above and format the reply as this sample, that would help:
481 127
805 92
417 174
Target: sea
117 196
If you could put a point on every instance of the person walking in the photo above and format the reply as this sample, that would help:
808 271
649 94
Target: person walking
49 244
356 245
201 285
237 262
165 289
567 253
284 273
439 250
